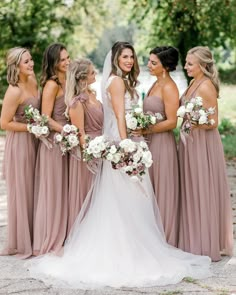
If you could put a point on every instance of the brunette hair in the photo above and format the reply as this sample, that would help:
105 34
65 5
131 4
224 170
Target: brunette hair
168 56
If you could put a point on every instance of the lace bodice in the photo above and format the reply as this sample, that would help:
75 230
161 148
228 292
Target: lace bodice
110 122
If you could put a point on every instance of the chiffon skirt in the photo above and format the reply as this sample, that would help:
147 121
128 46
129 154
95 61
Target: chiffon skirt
118 240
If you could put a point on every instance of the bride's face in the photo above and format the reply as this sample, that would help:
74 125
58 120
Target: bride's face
126 60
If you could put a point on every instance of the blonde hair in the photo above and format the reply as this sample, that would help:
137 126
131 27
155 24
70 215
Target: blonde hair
76 80
13 60
207 64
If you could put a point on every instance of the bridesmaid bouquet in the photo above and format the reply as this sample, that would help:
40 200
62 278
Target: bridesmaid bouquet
194 113
132 158
37 124
68 138
137 119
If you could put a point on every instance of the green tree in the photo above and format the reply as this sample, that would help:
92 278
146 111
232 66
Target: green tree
184 24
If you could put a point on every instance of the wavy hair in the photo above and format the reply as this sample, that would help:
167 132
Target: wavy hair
207 64
13 60
51 59
76 80
132 80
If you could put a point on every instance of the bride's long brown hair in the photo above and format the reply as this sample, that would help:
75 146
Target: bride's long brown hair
131 79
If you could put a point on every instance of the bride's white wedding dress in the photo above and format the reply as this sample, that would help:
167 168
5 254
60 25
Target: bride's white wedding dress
117 239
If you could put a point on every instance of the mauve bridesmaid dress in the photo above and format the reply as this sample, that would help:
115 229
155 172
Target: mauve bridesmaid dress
206 214
80 178
51 192
164 172
19 170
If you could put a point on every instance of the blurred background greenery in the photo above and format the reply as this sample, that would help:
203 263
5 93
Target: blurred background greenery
89 28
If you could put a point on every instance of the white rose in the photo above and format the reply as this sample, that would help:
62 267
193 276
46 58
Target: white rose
153 120
212 122
45 130
116 158
109 157
198 100
137 156
34 129
202 120
73 128
181 111
58 137
159 116
132 123
202 112
147 158
73 140
189 107
128 168
67 128
138 110
113 149
143 144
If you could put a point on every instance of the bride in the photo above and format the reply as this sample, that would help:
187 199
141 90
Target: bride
118 239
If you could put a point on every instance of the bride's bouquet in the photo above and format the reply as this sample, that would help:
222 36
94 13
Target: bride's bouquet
36 124
132 158
137 119
68 139
194 113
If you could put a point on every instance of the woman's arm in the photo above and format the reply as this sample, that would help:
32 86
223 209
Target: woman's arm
209 95
49 95
11 101
117 91
77 118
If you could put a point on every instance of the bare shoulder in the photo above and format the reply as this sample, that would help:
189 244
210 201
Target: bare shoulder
117 82
13 94
207 90
51 86
170 89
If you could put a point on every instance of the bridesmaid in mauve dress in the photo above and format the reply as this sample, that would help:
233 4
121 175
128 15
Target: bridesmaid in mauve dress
51 175
20 151
163 98
206 215
86 113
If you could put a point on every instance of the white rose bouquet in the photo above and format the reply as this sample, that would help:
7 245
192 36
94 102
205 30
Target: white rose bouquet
194 113
36 123
132 158
68 138
137 119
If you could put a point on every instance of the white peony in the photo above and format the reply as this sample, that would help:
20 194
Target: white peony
137 156
202 120
116 158
159 116
73 128
147 159
34 129
143 144
211 111
181 111
153 120
128 145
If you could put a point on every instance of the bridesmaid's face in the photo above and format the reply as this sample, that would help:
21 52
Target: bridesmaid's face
154 65
26 65
126 60
91 75
64 61
192 66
